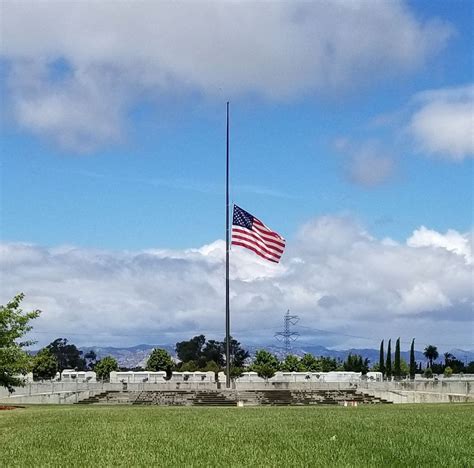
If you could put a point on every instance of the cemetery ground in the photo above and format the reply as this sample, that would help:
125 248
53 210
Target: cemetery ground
379 435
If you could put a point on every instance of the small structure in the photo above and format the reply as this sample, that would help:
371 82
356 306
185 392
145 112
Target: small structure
71 375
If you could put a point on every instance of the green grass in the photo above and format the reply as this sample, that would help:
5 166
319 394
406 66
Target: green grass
393 435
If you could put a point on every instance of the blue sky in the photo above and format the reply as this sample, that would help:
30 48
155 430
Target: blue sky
113 139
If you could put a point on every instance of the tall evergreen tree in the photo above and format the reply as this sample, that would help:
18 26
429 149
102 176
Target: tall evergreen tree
388 366
381 359
412 360
397 372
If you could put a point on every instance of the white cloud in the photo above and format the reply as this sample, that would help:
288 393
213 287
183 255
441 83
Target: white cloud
443 123
335 276
452 241
118 52
367 164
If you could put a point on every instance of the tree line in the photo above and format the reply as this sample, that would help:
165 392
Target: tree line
196 354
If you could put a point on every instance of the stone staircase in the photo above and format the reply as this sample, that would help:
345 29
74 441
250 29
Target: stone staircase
301 398
214 399
230 398
108 397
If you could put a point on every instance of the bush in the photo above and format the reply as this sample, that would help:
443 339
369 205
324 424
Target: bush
428 374
448 372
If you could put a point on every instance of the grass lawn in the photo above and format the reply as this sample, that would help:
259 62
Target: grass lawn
392 435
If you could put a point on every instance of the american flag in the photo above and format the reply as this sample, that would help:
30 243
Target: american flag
251 233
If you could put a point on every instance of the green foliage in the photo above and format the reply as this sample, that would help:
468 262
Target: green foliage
67 355
159 360
388 365
105 366
412 369
90 358
212 366
381 367
397 372
190 366
456 365
431 353
238 355
292 364
236 372
190 350
14 324
428 374
213 351
198 351
45 365
311 364
265 364
404 368
470 368
356 363
448 372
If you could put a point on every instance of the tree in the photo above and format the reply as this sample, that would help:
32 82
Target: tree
428 373
45 365
412 360
292 364
396 367
431 353
105 366
67 355
456 365
190 350
470 368
381 359
213 351
14 324
404 368
189 366
310 364
265 364
388 365
238 355
159 360
356 363
91 359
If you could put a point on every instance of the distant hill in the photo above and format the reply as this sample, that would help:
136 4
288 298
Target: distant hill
136 356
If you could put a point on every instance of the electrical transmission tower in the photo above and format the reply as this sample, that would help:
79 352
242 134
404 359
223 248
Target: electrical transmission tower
287 336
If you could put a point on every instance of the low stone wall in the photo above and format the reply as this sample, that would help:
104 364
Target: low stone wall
397 392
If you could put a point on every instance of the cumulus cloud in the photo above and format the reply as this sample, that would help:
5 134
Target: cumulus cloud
335 276
452 241
443 122
118 52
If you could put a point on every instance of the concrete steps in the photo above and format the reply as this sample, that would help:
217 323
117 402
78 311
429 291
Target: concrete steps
230 398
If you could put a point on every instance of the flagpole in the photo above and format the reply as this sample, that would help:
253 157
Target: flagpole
227 307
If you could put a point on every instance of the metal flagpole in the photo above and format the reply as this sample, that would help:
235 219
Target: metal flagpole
227 308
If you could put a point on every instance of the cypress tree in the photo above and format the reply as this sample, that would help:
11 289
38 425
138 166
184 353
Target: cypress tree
397 372
412 360
388 366
381 359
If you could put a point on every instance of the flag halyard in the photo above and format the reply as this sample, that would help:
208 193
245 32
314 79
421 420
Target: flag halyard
249 232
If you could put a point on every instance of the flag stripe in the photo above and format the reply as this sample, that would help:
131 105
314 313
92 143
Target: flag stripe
256 243
241 244
259 225
265 237
268 244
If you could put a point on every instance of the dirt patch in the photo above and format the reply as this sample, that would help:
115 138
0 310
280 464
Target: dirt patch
3 407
